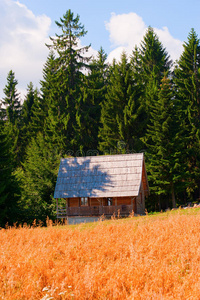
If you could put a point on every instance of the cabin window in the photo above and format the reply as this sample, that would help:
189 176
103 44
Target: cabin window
84 201
110 201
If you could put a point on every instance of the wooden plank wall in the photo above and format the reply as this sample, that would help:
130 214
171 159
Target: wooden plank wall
75 202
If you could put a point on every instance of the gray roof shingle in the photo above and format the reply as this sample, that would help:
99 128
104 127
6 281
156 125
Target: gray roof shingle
100 176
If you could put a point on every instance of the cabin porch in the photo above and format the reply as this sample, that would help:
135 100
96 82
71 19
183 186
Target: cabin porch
123 210
123 206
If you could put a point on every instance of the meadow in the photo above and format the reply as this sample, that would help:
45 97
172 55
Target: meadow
150 257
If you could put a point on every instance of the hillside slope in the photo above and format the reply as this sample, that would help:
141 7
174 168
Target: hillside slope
151 257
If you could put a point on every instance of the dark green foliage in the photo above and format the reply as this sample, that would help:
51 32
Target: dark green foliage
187 80
11 101
42 102
49 71
84 104
67 92
154 57
66 45
39 113
37 180
164 145
153 62
9 192
27 130
28 104
89 108
121 111
11 115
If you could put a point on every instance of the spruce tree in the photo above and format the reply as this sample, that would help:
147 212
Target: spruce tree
154 57
153 63
49 71
89 108
9 191
187 80
28 104
11 102
11 112
27 123
37 180
67 93
42 98
164 145
39 113
121 111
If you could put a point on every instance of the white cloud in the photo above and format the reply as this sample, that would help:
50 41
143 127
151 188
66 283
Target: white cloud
173 46
116 53
23 36
127 31
22 48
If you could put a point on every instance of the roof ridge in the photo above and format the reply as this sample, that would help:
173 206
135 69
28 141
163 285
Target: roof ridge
109 155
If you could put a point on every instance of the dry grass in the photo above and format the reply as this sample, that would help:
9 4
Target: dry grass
140 258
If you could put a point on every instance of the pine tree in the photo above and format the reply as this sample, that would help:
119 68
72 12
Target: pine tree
187 80
37 180
154 57
28 104
154 62
89 109
69 78
9 192
136 66
49 71
11 101
121 111
164 145
11 112
39 113
27 113
42 99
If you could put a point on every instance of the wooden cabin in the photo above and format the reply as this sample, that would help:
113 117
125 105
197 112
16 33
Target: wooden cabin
97 185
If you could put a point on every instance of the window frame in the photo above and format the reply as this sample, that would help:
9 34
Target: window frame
110 201
84 201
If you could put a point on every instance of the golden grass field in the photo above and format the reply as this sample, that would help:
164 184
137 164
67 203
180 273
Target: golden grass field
150 257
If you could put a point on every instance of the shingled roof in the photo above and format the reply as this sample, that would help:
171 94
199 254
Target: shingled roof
101 176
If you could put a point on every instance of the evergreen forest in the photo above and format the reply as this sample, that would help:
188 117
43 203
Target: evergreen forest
86 106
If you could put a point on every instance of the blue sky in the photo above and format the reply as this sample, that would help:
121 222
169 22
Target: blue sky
114 25
178 15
